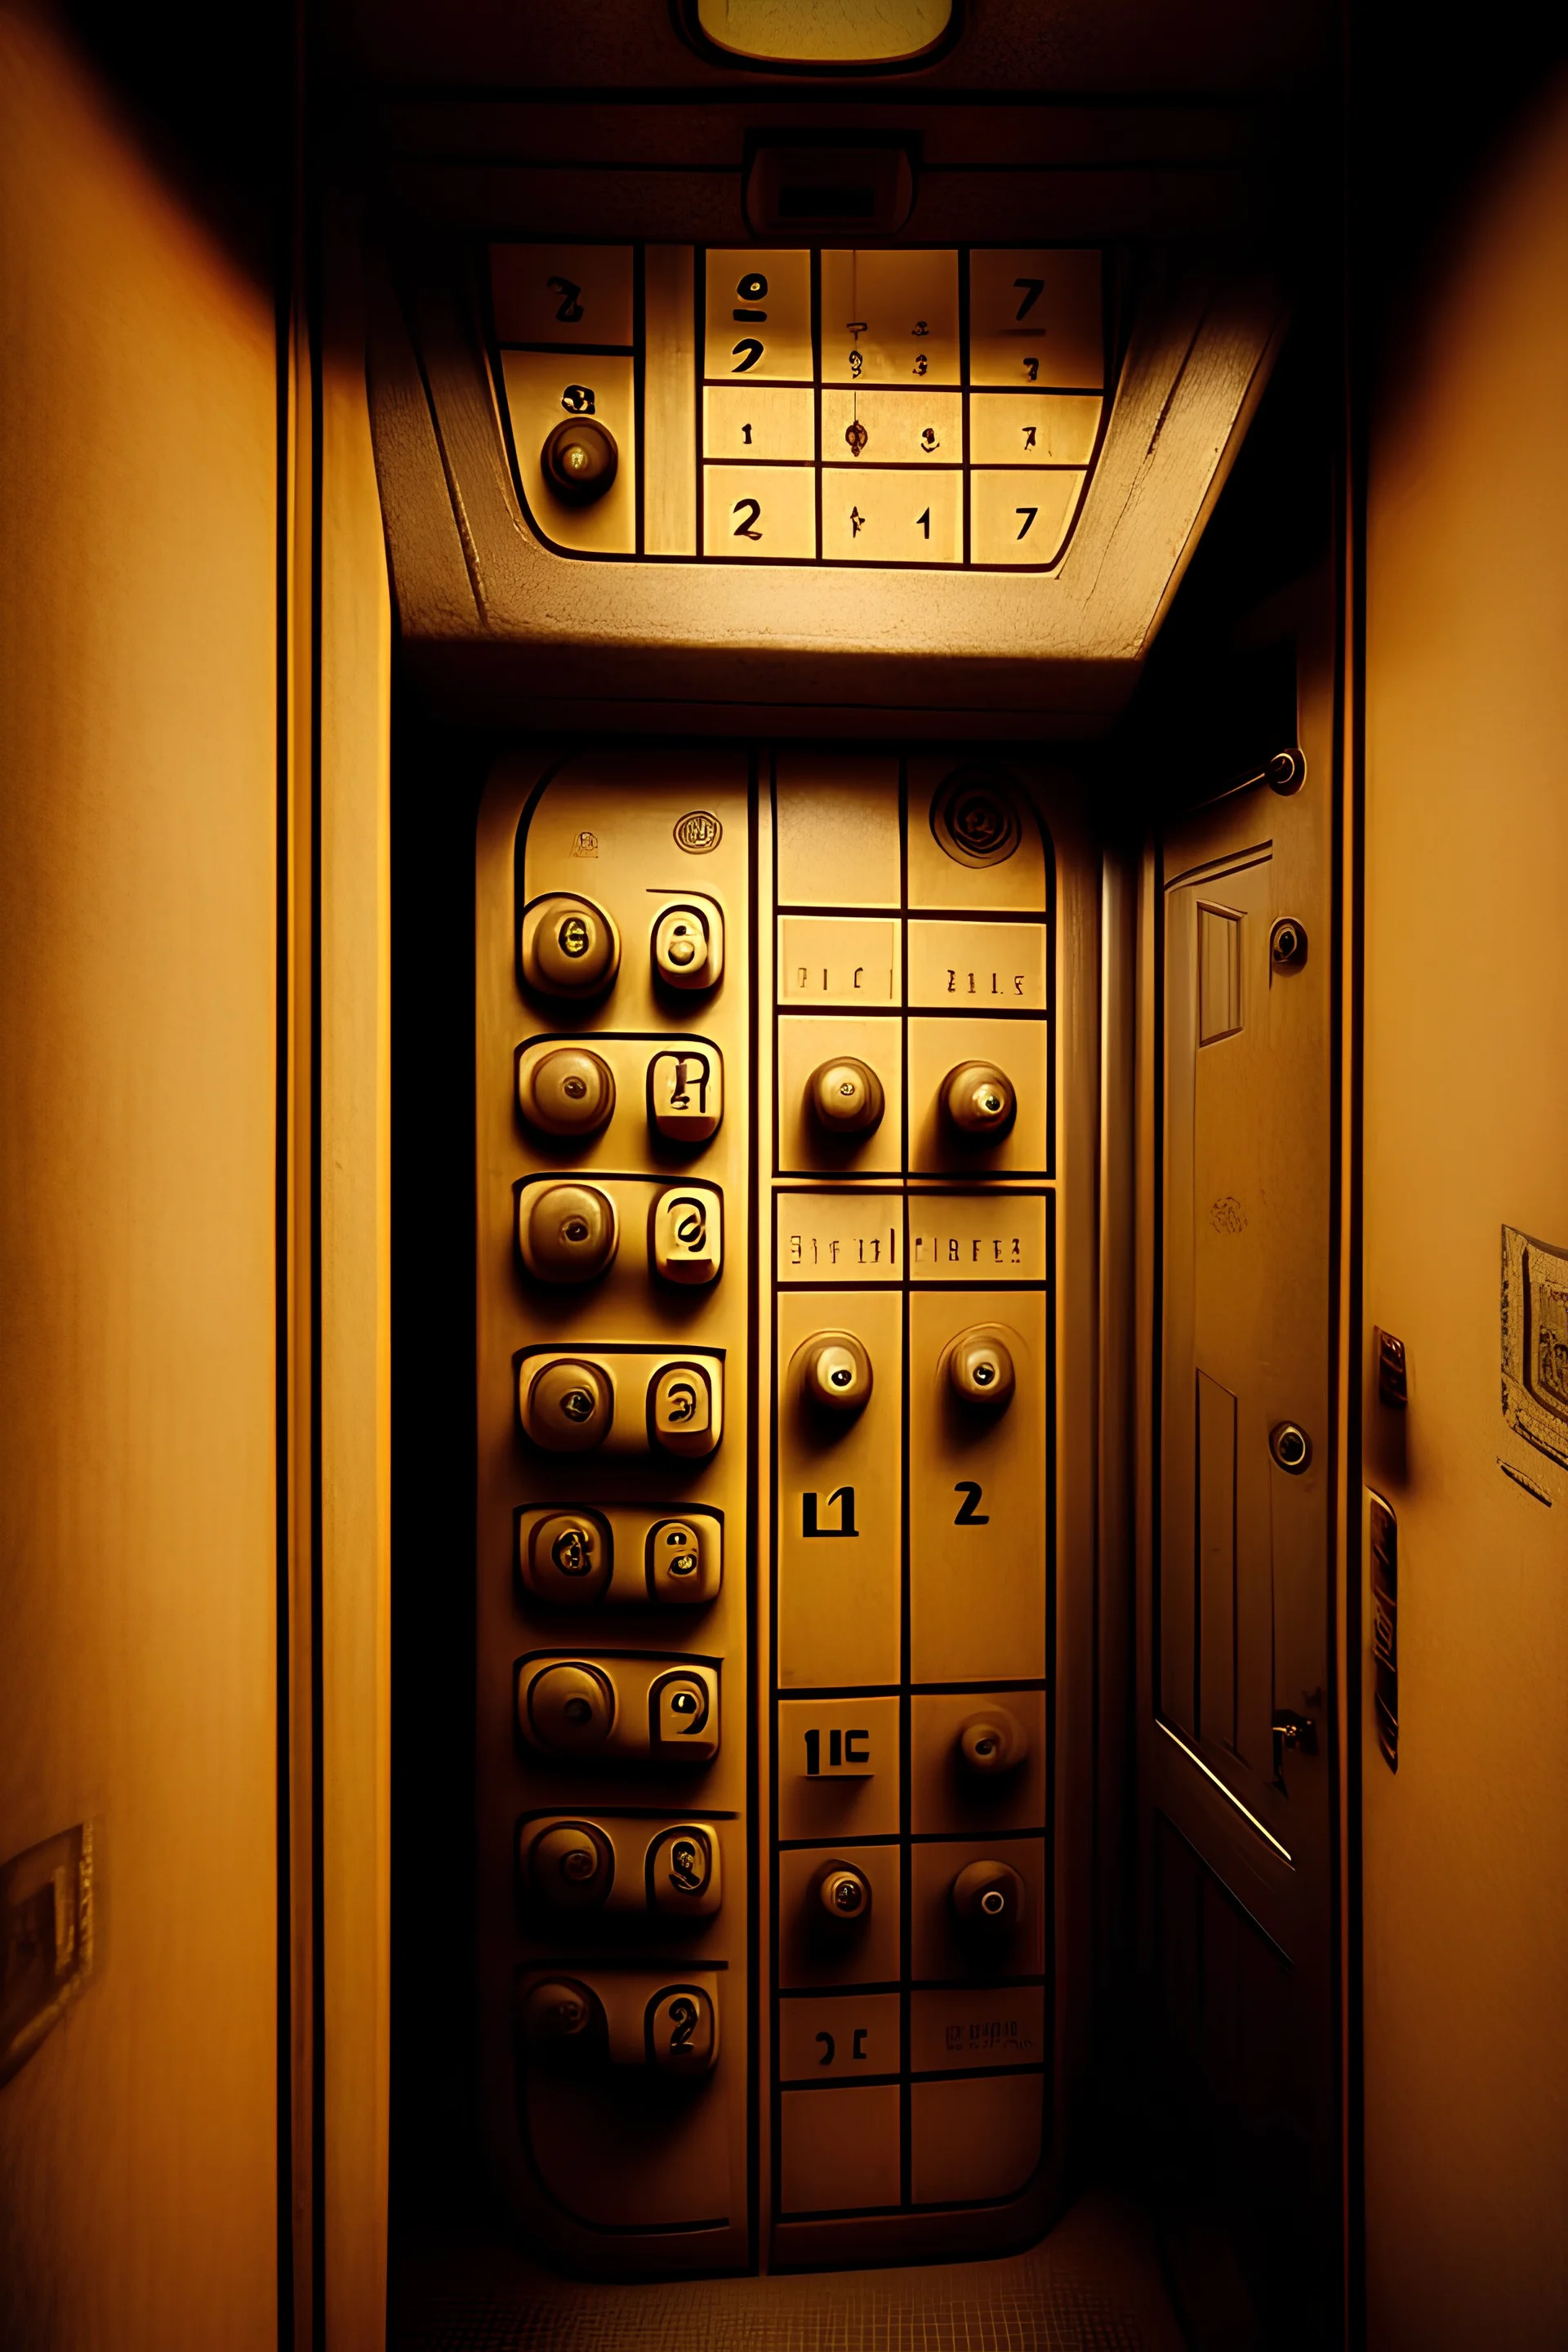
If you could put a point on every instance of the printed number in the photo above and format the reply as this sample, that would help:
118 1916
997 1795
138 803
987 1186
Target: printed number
826 2057
1032 288
577 400
844 1498
571 309
753 351
924 521
969 1513
683 2023
749 510
1029 514
1034 368
844 1748
746 435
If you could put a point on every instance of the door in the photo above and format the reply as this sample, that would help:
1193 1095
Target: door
1239 1738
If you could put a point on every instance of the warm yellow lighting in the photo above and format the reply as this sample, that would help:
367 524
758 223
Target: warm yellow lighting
825 32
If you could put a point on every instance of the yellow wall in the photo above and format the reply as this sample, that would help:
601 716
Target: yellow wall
138 884
1467 1127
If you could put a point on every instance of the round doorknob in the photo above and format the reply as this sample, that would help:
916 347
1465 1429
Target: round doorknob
571 1707
979 1101
571 1867
579 459
837 1372
557 2011
979 1370
567 1091
843 1894
845 1096
987 1899
567 1233
991 1743
570 947
567 1405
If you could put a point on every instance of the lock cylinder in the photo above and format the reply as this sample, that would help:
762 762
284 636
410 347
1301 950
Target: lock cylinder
580 460
571 1867
566 1405
988 1901
841 1898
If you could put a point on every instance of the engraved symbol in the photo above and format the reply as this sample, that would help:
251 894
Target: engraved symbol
1028 437
683 1564
683 2023
855 363
1031 289
569 1551
1029 514
691 1230
680 1407
856 436
577 400
686 1874
928 439
571 936
579 1863
857 522
571 309
746 435
746 353
749 510
844 1498
683 1702
826 2057
699 831
682 1086
924 522
922 364
586 844
919 328
577 1404
1034 368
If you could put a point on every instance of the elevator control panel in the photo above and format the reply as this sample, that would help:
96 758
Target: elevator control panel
766 1175
888 406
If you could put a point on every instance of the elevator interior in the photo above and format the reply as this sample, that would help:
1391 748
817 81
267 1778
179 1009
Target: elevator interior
797 938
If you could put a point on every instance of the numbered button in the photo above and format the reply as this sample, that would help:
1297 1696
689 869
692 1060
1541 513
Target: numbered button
757 325
689 946
980 1371
566 1233
841 1899
560 2013
892 517
1017 517
683 1715
684 1560
565 1558
681 2031
685 1410
686 1245
987 1900
686 1093
683 1872
836 1373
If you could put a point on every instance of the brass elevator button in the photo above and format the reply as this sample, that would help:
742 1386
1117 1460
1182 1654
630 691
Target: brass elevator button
979 1100
980 1371
843 1896
558 2011
566 1558
987 1899
566 1405
566 1091
836 1372
570 1708
571 1867
845 1096
570 947
566 1233
993 1743
580 459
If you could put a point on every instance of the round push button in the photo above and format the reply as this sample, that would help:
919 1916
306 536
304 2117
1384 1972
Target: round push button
567 1091
980 1371
567 1405
556 2011
979 1101
988 1899
845 1096
570 947
836 1372
580 459
843 1894
571 1867
991 1743
570 1708
567 1233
